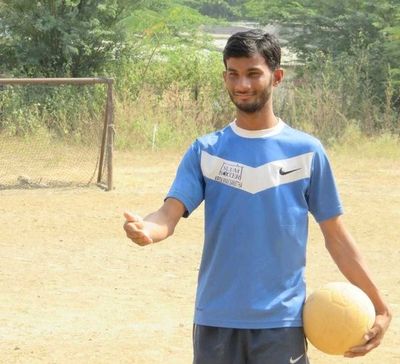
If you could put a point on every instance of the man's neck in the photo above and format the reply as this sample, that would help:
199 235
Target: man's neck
263 119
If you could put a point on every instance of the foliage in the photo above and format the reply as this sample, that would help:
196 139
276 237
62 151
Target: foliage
332 94
385 146
170 120
63 111
328 26
169 79
161 50
60 37
158 28
340 27
220 9
169 49
164 21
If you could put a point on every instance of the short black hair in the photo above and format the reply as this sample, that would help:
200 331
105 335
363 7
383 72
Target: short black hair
251 42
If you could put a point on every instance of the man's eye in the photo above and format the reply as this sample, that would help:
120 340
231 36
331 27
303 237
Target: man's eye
254 74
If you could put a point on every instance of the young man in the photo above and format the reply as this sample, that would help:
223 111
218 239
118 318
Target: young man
259 178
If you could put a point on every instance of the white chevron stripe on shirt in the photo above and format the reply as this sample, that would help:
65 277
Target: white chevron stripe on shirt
254 180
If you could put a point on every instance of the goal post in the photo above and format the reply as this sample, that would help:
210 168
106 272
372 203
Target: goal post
104 164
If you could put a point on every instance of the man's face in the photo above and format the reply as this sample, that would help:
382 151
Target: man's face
249 82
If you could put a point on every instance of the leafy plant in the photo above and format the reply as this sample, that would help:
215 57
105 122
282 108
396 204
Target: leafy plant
60 37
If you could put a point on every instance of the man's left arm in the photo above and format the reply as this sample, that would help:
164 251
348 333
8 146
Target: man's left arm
349 260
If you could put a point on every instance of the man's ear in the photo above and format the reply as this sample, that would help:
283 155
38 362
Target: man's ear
224 75
278 76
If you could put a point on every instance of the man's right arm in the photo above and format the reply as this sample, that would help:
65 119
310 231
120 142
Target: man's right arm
156 226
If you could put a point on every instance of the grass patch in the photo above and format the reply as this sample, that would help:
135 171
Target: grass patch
355 143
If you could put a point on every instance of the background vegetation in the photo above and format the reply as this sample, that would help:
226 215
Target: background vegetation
168 72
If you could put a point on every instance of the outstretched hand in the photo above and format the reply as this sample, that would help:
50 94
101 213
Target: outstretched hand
373 337
135 229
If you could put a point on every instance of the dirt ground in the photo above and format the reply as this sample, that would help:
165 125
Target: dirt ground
73 289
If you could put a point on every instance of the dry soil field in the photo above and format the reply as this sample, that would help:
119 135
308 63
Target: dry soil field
74 290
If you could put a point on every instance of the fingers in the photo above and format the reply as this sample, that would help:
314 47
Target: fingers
131 217
373 339
372 333
363 349
134 229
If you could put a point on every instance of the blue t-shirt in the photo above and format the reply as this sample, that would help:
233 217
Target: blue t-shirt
258 187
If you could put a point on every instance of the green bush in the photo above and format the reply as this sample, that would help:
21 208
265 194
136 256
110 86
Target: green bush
167 95
328 95
71 112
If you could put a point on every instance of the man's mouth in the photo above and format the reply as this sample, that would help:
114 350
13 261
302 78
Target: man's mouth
243 96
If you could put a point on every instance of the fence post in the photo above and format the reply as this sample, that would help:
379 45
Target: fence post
110 134
107 138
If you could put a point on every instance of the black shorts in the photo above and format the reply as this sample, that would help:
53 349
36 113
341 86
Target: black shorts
215 345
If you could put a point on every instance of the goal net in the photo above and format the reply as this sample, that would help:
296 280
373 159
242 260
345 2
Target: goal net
56 133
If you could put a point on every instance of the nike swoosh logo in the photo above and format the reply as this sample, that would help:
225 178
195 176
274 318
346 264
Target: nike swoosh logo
283 173
293 361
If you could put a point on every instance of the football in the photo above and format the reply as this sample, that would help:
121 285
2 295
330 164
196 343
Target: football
337 316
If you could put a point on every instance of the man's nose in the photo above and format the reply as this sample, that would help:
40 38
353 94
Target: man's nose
242 84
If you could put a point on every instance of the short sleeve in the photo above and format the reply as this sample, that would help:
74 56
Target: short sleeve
322 194
188 185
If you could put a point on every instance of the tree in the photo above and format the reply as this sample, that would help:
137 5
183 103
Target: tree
164 20
60 37
223 9
340 29
331 26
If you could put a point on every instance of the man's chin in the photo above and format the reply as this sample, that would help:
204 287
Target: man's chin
248 108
